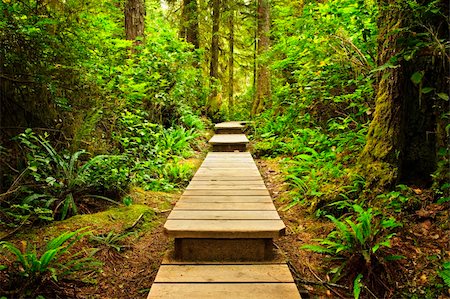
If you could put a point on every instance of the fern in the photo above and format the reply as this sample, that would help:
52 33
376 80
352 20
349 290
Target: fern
445 273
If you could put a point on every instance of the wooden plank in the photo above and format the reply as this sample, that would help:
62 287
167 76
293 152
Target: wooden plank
224 228
218 181
224 273
201 177
228 138
226 187
230 206
219 215
228 165
215 191
224 291
230 124
215 154
225 198
224 173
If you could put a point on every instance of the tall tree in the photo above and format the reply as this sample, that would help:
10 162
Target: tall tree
214 102
134 19
401 143
263 89
231 59
189 28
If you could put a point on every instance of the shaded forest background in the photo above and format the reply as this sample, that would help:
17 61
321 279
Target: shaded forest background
349 98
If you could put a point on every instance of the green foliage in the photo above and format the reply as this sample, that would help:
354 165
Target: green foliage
445 273
358 241
111 240
55 181
154 151
357 286
31 270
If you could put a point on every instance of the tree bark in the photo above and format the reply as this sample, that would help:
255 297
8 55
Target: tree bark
134 19
214 102
231 63
401 143
263 89
190 22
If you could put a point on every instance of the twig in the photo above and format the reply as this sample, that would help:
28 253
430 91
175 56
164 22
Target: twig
136 222
324 283
14 184
370 292
14 230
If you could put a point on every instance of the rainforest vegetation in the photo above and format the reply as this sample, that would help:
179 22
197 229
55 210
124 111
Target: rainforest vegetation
106 107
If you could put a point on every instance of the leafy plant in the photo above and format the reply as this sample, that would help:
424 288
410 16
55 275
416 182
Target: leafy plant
31 270
444 273
111 240
63 177
357 241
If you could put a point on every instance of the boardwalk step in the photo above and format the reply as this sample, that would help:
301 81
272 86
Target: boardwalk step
225 228
229 142
224 281
231 127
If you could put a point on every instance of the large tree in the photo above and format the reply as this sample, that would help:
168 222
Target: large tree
189 26
231 57
263 90
214 100
404 134
134 19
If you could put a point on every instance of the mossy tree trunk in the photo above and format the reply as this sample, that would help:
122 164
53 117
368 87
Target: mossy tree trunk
263 90
401 142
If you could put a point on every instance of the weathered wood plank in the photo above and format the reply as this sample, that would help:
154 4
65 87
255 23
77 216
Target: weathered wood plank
230 124
224 291
224 228
224 173
222 206
219 182
226 187
215 191
224 273
228 139
229 165
218 178
223 215
225 198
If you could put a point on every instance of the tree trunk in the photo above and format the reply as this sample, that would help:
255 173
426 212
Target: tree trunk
263 90
134 19
401 143
231 63
214 102
190 22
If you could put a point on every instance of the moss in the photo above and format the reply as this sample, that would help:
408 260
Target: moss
114 219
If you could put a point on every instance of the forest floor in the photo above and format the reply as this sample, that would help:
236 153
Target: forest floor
130 264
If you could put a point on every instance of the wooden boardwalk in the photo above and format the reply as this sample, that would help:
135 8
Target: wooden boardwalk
223 227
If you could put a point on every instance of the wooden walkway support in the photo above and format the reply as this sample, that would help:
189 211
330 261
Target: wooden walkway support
223 227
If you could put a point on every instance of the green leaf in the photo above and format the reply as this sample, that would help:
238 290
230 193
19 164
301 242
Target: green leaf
316 248
443 96
357 286
426 90
445 273
417 77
